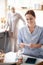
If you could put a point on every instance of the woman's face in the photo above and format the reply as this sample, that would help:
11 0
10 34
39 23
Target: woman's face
30 20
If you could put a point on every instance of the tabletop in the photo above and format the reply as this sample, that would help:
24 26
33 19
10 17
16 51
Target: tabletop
25 57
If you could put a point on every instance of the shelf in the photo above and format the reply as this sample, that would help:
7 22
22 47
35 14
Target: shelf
25 8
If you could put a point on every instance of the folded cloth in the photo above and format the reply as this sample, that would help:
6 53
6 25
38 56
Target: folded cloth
10 57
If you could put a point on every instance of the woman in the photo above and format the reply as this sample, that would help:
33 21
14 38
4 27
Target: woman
30 37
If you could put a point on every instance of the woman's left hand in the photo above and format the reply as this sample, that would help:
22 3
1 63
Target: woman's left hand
35 45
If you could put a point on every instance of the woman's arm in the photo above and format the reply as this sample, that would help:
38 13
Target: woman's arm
22 45
35 45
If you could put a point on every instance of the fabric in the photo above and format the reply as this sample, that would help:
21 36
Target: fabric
25 36
13 19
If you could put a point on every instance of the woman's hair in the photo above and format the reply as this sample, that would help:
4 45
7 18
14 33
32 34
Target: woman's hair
30 12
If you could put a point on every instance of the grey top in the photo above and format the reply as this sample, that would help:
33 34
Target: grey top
13 19
25 36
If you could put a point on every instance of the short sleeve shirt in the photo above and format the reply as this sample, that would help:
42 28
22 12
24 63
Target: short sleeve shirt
25 36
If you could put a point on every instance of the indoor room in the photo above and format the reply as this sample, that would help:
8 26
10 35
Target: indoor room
21 32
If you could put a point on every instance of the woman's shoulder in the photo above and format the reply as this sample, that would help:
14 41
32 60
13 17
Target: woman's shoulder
23 29
39 27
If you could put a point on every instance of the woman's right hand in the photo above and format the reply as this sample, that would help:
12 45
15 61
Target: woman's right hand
22 45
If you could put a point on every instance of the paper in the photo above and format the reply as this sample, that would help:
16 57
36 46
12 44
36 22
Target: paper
10 57
27 44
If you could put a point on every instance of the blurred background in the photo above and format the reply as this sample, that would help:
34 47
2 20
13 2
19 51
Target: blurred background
21 6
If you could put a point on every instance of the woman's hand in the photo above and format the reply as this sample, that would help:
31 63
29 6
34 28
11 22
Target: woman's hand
35 45
22 45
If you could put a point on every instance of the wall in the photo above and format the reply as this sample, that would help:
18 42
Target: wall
2 8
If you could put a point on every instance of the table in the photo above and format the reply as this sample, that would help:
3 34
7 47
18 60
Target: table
16 63
25 57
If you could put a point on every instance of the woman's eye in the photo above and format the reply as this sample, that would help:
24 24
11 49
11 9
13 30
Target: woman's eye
30 18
